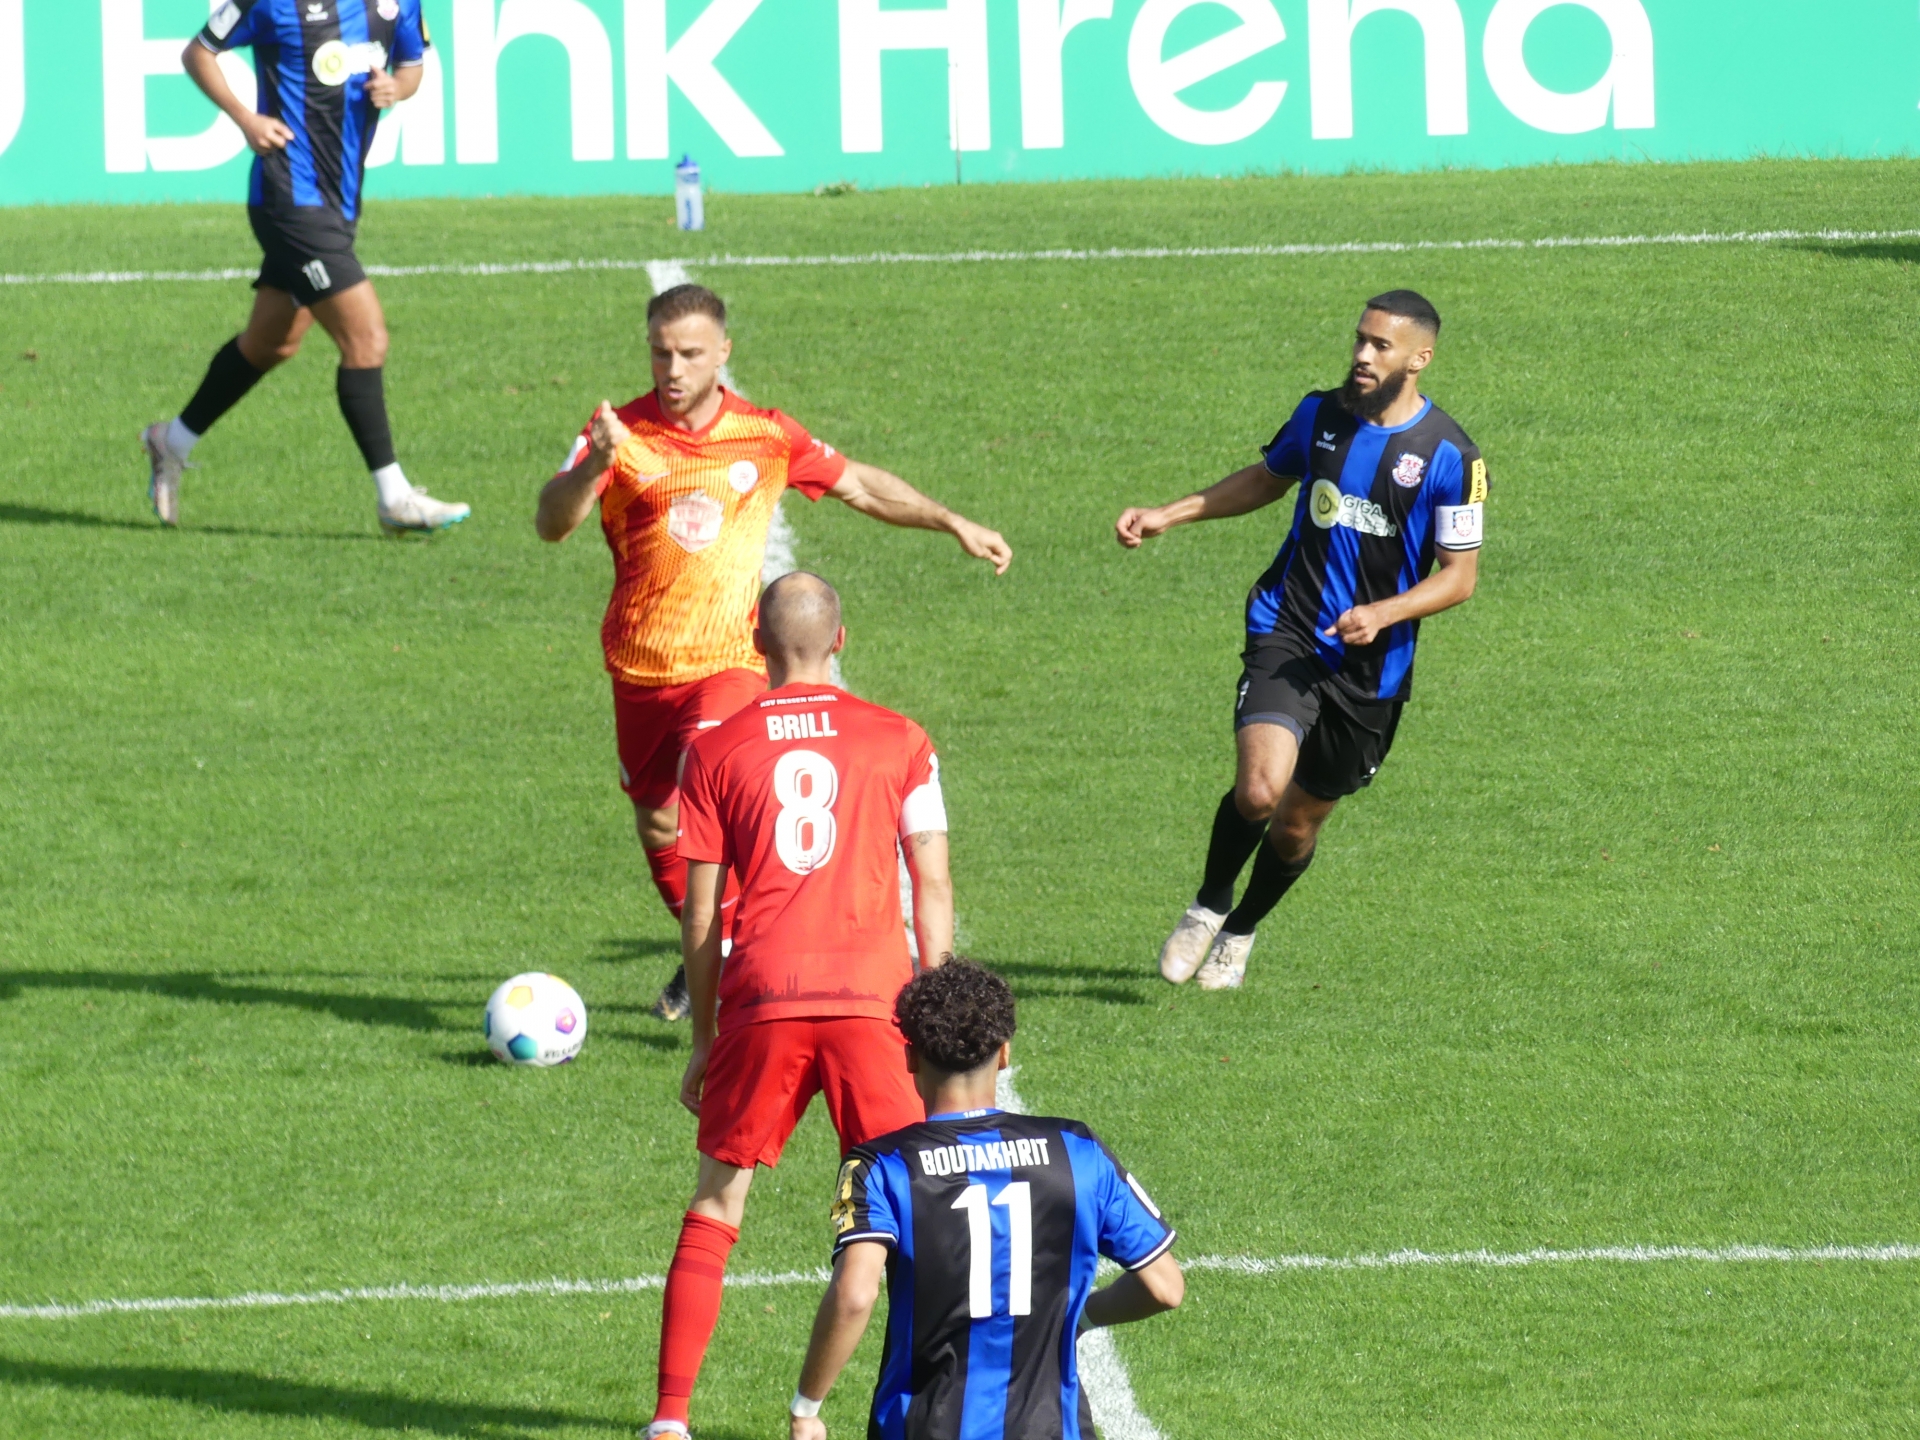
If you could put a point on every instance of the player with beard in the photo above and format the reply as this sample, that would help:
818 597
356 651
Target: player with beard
1390 485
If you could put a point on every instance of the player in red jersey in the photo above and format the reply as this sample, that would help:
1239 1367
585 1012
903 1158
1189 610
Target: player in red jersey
809 794
687 478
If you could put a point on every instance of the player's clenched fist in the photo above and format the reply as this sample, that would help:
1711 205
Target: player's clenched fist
1136 525
983 544
609 432
694 1081
265 134
1357 626
383 91
806 1427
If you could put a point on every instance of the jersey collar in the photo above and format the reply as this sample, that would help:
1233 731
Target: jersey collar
650 410
966 1114
1426 408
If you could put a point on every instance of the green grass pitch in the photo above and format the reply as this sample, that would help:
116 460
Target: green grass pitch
1619 949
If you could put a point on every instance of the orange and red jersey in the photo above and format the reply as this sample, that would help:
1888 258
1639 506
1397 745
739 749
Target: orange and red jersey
686 515
805 793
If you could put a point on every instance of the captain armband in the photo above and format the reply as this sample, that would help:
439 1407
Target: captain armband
1458 527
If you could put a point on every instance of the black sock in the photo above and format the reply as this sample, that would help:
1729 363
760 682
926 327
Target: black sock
229 378
1272 878
1234 838
363 400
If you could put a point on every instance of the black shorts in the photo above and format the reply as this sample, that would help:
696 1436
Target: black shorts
309 252
1342 739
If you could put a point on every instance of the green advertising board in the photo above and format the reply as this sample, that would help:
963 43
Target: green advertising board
569 97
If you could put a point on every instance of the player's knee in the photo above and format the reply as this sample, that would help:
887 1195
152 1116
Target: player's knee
1257 797
370 348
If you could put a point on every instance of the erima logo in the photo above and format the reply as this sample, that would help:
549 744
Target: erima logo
1330 508
1325 442
316 14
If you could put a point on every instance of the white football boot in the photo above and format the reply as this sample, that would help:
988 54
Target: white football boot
1187 946
163 480
418 513
1226 967
665 1428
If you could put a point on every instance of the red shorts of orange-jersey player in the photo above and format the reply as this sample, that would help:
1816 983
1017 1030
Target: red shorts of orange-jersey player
686 514
805 793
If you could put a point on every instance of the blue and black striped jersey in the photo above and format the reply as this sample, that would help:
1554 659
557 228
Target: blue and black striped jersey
996 1223
1374 503
312 58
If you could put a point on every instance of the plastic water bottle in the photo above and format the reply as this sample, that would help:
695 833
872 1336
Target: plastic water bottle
686 195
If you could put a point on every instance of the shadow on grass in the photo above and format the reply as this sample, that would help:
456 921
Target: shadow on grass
1906 252
237 1392
1040 970
360 1009
39 515
619 950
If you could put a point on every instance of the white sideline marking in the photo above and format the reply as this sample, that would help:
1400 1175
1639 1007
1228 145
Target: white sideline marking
972 257
1116 1414
1230 1264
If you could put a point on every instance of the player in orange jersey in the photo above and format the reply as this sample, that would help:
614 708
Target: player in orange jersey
687 478
808 795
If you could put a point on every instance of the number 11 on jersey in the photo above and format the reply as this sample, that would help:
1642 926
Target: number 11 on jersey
1018 1198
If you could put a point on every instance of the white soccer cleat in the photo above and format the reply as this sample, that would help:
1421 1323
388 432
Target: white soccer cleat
163 480
1226 967
1187 946
665 1428
418 513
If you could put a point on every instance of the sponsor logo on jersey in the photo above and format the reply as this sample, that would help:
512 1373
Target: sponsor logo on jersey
843 1198
221 25
1329 508
803 726
995 1155
1477 483
693 521
336 62
1326 441
743 475
1408 470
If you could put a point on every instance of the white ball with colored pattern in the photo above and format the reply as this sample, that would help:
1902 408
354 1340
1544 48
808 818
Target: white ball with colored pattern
536 1019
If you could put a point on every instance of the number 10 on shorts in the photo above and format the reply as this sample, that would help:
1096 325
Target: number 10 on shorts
1018 1198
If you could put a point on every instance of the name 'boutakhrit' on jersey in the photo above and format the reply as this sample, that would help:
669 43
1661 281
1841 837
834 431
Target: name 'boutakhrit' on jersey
1375 501
312 58
996 1223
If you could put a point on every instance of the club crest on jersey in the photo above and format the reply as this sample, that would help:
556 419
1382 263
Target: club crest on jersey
1329 508
389 9
743 475
1408 470
693 521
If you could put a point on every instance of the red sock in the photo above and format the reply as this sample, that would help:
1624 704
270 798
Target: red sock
690 1310
669 877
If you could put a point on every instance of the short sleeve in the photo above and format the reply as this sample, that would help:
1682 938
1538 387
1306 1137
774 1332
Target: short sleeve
862 1209
925 807
1457 490
813 466
702 835
230 26
1289 453
410 35
1132 1234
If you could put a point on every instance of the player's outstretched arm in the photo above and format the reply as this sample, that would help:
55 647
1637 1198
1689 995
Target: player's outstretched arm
844 1312
263 133
700 952
873 491
1450 585
1240 493
568 498
1150 1290
926 854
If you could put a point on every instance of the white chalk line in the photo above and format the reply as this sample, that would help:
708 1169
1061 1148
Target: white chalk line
976 257
1245 1265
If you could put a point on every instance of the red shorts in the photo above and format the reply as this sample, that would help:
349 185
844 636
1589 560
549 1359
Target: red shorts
761 1076
653 726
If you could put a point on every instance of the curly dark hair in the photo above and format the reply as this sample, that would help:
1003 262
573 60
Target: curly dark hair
956 1016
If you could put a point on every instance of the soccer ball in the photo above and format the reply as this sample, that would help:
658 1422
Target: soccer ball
536 1019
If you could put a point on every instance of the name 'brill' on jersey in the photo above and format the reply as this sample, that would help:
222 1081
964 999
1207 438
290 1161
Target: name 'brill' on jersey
1375 503
807 793
312 59
686 514
996 1225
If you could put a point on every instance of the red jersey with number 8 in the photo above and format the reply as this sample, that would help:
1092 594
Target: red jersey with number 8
806 793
